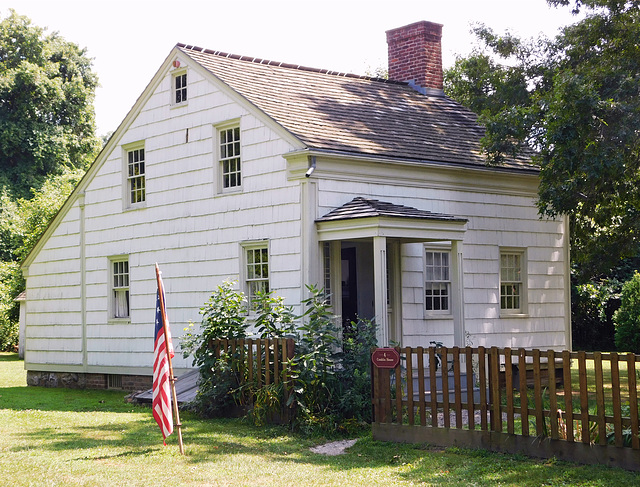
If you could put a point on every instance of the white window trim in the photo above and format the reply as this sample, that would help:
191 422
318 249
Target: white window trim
174 76
111 287
218 173
244 248
126 193
523 311
437 314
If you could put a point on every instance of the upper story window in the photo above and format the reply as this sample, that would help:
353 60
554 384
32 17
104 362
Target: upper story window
120 288
512 289
179 88
437 285
230 163
136 175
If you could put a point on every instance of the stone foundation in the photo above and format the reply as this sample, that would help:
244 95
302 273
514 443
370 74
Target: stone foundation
72 380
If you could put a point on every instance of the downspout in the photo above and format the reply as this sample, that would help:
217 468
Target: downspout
312 166
308 246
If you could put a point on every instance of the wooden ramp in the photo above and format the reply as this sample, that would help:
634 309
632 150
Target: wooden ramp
186 389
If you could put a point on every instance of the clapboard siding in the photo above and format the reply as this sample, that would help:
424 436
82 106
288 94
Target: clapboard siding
495 221
186 225
196 231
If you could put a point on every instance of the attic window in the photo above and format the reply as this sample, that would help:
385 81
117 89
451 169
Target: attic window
230 157
180 88
136 176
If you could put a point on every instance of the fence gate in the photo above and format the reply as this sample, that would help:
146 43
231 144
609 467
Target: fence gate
574 406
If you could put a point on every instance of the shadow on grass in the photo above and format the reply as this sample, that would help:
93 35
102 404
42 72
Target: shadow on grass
60 399
9 357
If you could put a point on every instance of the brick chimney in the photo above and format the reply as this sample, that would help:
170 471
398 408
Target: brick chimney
415 56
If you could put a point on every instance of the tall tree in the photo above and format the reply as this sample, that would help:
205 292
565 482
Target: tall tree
47 119
575 101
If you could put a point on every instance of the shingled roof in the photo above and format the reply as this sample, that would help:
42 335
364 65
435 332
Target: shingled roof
352 114
360 207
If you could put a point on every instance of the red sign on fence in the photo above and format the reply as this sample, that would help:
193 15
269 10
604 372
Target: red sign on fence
385 358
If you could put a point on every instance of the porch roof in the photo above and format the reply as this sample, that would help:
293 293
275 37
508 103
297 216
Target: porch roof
364 218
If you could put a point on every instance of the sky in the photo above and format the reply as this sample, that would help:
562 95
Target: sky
129 40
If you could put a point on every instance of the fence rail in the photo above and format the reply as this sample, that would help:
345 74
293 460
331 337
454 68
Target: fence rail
261 362
507 397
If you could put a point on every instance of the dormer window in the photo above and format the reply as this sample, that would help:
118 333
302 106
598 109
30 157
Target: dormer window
180 88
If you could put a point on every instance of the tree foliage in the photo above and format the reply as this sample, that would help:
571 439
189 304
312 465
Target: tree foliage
627 317
22 223
575 101
46 106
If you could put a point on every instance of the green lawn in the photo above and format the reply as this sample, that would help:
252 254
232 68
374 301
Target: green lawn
93 438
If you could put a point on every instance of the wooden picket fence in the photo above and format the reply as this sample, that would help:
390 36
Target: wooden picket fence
574 406
259 362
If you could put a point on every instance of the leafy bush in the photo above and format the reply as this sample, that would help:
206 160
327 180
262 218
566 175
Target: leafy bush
627 317
11 283
274 319
221 377
328 380
332 378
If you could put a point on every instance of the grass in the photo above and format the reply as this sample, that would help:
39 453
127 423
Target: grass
64 437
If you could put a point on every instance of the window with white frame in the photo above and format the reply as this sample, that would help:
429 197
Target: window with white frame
120 288
512 298
257 270
136 176
179 88
437 284
230 163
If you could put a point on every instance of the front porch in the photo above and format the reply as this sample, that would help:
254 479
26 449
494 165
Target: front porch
362 242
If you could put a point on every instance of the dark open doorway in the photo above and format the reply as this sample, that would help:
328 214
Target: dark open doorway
349 289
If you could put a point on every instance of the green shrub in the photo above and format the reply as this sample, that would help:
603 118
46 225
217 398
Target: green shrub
328 380
11 283
273 318
627 317
222 380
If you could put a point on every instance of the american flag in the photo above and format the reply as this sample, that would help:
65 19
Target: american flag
161 387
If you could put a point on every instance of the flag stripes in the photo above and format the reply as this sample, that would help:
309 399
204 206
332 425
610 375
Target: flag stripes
161 403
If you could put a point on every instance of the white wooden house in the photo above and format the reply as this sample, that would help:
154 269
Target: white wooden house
270 174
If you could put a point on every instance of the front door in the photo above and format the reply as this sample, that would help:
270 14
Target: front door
349 289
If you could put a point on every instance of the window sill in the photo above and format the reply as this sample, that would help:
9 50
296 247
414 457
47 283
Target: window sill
137 206
119 321
506 314
179 105
435 316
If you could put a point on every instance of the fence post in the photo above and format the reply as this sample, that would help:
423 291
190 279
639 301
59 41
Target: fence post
553 399
633 399
471 410
584 397
482 372
494 391
615 389
568 394
600 411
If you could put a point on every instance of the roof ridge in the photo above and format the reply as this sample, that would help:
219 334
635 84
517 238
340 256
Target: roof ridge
280 64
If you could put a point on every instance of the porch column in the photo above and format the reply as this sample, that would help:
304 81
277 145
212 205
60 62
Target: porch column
457 293
380 289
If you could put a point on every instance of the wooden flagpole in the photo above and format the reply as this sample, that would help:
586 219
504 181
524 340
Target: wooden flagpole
172 379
